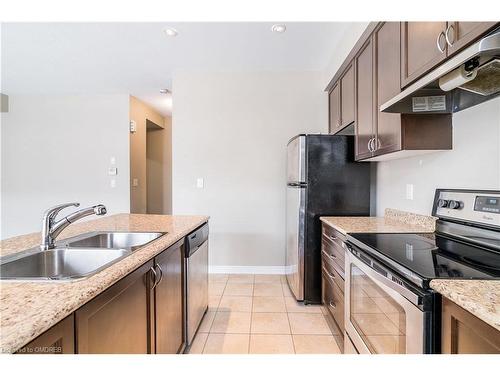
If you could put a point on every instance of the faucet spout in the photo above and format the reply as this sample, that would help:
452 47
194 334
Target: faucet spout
51 228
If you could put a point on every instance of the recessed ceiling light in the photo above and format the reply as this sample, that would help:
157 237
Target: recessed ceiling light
278 28
170 31
164 91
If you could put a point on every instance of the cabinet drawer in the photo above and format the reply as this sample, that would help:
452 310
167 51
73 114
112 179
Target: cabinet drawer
333 235
332 274
333 298
334 253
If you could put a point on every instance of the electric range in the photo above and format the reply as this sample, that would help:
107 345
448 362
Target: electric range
392 271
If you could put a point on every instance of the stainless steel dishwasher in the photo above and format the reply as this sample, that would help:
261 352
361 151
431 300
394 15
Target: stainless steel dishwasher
196 279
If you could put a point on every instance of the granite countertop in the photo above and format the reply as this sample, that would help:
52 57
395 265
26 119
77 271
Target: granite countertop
394 221
479 297
29 308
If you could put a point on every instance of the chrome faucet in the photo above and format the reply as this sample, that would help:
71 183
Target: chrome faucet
52 228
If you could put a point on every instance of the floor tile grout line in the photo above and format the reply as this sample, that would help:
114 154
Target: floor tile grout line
251 318
289 324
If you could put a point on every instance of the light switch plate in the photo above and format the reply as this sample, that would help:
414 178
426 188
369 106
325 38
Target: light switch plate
200 183
112 171
133 126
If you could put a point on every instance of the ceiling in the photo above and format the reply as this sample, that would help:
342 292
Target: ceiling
138 58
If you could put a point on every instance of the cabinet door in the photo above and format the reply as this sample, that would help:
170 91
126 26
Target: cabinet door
365 101
387 45
120 319
60 339
419 48
463 333
334 108
169 301
347 97
460 34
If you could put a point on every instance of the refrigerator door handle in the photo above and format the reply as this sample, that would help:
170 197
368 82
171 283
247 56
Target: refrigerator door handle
297 184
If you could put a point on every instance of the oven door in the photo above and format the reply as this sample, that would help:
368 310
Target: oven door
378 316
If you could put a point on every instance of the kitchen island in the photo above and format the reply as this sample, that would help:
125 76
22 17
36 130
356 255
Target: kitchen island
29 308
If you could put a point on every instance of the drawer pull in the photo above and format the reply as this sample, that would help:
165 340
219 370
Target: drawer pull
329 274
332 305
331 256
333 238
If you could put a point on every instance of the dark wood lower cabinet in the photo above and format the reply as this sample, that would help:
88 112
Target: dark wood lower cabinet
169 301
332 281
464 333
119 320
60 339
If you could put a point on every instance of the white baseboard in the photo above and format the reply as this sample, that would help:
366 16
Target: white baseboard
262 270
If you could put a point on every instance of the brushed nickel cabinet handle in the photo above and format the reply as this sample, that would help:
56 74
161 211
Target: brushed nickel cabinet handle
447 35
160 271
332 305
331 256
154 277
369 145
329 274
438 42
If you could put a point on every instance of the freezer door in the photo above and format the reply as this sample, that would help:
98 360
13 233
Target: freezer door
296 160
295 220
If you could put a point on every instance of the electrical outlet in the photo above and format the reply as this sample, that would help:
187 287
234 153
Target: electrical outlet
409 192
200 183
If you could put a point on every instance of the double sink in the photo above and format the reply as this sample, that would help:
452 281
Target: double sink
75 257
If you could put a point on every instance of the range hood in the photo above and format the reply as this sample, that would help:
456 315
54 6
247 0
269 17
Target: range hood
466 79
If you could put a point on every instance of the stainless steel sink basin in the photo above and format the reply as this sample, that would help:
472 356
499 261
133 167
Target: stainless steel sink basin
75 257
112 240
60 264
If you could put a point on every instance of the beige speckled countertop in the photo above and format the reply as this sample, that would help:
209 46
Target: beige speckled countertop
27 308
479 297
394 221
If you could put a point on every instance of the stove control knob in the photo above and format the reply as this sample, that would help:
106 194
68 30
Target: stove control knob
442 203
455 205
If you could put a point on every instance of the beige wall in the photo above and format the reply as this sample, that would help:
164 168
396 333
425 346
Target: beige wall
159 169
474 163
139 112
232 129
57 149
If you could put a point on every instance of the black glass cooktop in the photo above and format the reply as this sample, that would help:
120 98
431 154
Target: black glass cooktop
432 256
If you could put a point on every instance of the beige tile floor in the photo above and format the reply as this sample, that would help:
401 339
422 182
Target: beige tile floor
257 314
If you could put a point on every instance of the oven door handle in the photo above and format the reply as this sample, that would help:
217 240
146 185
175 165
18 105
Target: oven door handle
408 294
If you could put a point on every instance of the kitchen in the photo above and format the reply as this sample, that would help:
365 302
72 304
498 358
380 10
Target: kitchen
339 200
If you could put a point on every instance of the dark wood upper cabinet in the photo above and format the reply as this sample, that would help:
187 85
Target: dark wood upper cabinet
60 339
460 34
334 109
423 46
169 301
365 101
463 333
119 320
387 61
384 136
347 98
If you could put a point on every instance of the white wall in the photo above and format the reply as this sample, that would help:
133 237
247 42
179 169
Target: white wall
342 48
57 149
473 163
232 129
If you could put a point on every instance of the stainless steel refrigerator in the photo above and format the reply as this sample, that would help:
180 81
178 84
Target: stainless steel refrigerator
322 180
